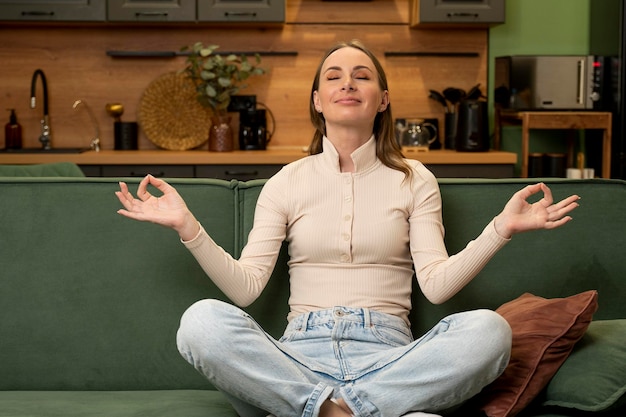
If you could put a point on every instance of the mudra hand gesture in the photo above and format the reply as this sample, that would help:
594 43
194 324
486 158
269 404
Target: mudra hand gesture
519 215
167 210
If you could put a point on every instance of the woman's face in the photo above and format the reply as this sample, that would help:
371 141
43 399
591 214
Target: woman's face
349 92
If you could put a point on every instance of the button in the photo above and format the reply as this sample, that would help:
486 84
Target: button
348 198
347 180
346 236
347 217
339 313
345 258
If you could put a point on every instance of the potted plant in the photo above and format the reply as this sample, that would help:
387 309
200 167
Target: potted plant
217 79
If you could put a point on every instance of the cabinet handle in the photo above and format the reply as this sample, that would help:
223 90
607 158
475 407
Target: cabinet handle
239 14
143 174
37 13
151 14
242 173
463 15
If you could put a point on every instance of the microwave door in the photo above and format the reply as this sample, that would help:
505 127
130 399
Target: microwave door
560 82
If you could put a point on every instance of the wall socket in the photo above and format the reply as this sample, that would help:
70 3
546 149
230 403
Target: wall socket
242 103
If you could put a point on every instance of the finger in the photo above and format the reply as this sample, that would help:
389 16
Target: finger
557 223
529 190
142 189
547 199
160 185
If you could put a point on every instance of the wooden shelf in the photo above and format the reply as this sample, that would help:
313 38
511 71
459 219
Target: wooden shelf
557 120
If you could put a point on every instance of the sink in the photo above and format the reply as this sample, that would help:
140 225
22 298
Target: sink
44 151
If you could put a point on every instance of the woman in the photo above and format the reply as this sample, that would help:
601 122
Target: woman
359 220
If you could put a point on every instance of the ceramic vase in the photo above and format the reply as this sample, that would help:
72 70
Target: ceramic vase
221 134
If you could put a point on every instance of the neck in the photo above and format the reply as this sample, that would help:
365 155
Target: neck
346 142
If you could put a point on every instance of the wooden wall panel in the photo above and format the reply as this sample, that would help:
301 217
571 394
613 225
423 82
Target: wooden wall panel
77 67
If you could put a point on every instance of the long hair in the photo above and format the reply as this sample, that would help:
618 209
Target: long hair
387 148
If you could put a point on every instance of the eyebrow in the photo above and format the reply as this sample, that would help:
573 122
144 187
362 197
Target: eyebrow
358 67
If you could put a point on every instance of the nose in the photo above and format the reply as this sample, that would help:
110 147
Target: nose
348 86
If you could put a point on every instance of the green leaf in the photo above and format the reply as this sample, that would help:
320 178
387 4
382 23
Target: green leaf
210 91
223 82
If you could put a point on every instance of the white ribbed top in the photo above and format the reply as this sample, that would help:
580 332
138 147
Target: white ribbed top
354 238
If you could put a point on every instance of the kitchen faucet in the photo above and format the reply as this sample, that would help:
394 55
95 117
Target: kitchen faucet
95 142
45 124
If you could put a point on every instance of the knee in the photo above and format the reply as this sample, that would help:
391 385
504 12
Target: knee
201 324
494 337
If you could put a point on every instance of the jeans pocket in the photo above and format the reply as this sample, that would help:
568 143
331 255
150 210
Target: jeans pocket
392 335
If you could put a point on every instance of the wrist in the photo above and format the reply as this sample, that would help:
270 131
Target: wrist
188 228
501 227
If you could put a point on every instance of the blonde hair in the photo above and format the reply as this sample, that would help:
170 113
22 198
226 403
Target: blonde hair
387 148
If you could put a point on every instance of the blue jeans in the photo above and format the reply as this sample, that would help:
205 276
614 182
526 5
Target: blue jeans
365 357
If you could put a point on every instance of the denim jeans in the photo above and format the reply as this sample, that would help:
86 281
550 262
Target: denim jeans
367 358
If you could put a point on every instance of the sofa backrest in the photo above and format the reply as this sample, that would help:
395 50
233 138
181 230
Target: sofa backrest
91 300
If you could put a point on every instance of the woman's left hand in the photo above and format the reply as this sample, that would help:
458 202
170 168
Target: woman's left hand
520 216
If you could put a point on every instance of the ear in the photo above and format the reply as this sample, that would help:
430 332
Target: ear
384 103
316 102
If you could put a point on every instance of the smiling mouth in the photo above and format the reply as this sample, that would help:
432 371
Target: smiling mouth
348 101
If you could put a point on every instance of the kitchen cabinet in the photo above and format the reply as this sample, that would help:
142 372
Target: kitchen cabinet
151 10
450 13
159 171
53 10
237 172
241 10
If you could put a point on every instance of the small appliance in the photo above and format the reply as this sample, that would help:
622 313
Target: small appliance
552 82
472 132
253 133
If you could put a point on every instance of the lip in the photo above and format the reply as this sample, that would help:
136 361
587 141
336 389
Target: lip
348 100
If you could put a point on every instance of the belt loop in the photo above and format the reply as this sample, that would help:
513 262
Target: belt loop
366 318
305 321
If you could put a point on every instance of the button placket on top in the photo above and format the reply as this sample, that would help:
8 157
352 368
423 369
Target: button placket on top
347 216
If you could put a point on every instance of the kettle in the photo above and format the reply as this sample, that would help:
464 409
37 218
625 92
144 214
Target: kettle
419 133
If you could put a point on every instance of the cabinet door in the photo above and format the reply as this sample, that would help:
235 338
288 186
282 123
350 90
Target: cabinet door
160 171
241 10
53 10
455 12
152 10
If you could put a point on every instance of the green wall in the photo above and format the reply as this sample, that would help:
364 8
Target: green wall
539 27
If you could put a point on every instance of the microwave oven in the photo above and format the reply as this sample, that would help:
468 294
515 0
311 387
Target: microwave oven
552 82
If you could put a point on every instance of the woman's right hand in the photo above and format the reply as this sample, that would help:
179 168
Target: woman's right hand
167 210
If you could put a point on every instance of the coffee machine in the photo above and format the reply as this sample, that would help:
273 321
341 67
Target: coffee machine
253 129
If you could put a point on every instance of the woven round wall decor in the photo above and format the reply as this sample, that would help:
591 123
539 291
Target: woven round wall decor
170 115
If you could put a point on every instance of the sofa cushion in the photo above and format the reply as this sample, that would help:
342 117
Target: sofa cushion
187 403
594 376
544 333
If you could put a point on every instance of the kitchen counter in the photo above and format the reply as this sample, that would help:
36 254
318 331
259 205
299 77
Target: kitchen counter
245 165
270 156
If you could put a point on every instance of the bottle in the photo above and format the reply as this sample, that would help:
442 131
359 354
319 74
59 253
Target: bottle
13 133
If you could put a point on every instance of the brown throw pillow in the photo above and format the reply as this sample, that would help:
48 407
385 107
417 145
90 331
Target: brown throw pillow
544 334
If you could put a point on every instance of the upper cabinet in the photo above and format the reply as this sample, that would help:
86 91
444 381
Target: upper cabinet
461 13
53 10
241 10
151 10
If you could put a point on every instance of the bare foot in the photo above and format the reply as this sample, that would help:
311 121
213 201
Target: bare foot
332 409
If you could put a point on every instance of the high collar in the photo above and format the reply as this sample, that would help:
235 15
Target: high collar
364 157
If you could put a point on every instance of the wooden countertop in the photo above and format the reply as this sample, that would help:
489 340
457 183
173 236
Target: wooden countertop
271 156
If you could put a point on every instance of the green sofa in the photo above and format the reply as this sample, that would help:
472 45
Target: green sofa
90 301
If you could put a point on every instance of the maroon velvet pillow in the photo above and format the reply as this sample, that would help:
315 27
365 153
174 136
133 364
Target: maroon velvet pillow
544 333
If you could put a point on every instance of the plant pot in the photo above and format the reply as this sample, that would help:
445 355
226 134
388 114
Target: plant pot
220 134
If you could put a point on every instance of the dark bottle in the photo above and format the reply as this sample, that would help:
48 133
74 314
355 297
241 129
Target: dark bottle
13 133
